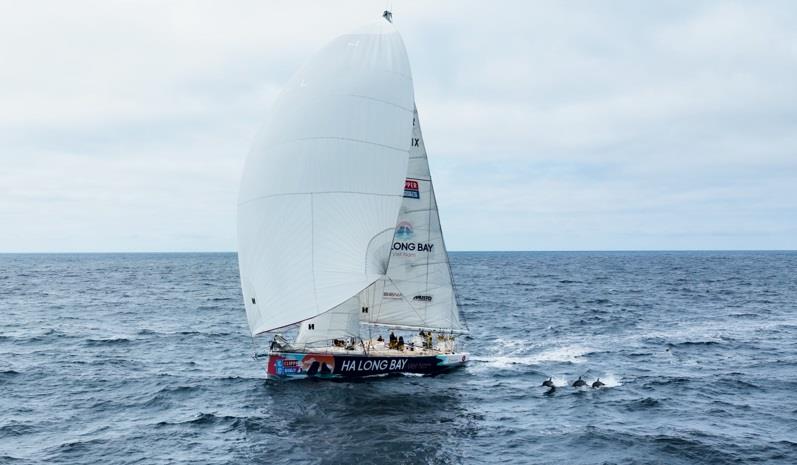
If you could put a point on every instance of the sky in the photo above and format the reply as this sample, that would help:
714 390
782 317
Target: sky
567 125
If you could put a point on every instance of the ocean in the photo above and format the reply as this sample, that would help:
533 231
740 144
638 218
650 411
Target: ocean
146 358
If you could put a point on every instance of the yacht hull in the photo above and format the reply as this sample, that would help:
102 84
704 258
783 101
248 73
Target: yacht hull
296 365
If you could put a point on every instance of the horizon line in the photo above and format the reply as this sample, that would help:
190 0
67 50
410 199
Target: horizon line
143 252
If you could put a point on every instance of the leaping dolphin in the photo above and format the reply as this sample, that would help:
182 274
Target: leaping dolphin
579 382
548 383
598 384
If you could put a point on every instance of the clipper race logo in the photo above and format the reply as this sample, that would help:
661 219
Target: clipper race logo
411 189
404 231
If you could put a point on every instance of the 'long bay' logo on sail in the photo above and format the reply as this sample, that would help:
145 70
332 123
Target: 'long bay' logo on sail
404 231
411 189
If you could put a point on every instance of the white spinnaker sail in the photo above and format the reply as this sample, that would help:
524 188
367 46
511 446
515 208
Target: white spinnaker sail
418 291
323 184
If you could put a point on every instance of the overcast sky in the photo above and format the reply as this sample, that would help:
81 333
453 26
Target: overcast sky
549 125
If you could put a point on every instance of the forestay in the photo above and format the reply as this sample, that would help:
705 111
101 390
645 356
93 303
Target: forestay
323 184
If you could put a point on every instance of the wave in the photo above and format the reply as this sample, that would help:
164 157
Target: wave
201 419
694 343
641 404
74 447
109 341
707 450
567 354
7 375
165 396
16 429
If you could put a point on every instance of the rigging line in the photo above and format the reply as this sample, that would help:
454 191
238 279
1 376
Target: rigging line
430 200
404 298
428 232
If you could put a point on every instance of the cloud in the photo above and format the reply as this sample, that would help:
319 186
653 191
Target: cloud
124 125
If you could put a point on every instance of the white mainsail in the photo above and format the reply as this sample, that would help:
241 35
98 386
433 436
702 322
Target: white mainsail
323 184
342 322
417 291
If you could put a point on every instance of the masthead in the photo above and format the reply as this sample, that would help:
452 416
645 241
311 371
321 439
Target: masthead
388 16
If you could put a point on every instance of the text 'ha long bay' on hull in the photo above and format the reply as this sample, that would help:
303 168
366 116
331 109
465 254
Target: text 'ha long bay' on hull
340 247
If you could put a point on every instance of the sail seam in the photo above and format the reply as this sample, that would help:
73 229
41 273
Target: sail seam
348 139
262 197
364 97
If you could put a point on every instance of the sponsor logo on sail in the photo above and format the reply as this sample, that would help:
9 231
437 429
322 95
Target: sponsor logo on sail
422 298
404 231
391 295
411 190
412 247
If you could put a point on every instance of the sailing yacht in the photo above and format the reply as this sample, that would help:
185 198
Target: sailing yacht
340 248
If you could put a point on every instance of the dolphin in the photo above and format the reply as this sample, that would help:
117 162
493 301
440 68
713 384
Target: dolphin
548 383
598 383
579 382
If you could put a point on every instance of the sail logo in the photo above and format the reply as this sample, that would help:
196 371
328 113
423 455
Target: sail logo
412 247
411 189
422 298
404 231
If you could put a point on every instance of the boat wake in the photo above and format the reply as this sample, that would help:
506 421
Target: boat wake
574 354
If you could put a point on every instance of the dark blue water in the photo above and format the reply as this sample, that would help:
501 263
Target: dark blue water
146 359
